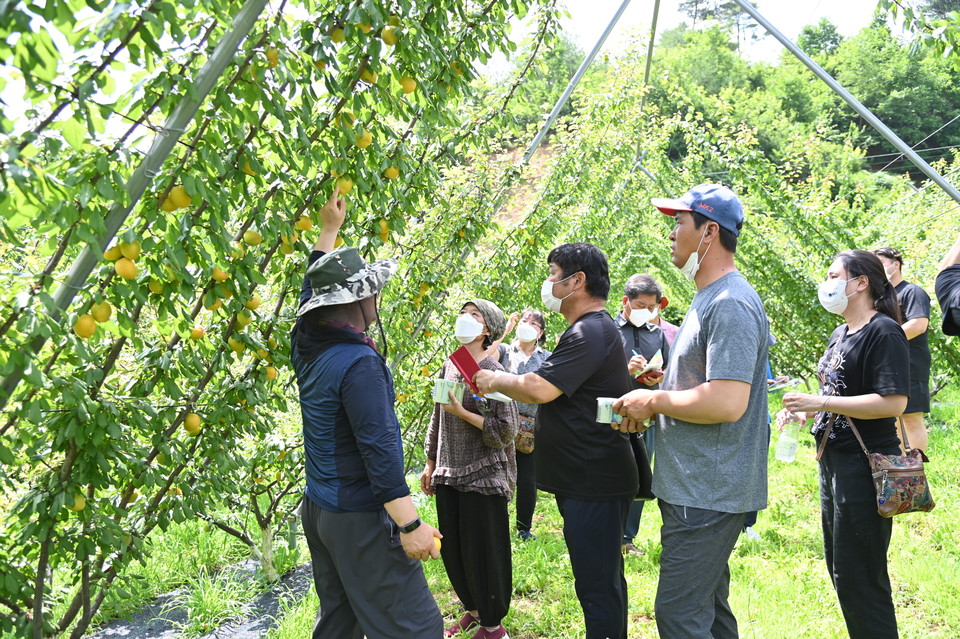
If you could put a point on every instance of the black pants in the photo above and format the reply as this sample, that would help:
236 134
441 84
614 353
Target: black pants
476 551
526 490
592 531
855 542
366 583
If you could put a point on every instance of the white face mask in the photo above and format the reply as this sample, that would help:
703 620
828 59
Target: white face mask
546 294
690 269
467 328
833 295
889 271
526 332
640 316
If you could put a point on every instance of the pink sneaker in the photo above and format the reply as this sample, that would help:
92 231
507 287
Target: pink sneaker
467 621
499 633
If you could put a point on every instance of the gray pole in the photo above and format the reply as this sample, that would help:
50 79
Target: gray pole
573 84
152 163
864 112
653 36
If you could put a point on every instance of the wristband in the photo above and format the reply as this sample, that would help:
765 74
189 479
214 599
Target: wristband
413 525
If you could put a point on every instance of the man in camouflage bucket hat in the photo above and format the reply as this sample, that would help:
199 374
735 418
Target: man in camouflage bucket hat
366 540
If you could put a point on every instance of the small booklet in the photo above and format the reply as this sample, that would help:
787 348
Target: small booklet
655 363
468 367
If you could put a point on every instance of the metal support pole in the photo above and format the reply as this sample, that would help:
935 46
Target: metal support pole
573 84
653 36
151 165
863 111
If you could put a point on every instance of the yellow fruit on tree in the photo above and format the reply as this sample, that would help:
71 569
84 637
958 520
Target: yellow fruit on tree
85 326
102 311
320 64
290 239
462 233
235 345
130 250
273 57
285 248
384 233
394 21
391 173
401 398
346 118
222 291
79 502
213 306
337 35
338 242
304 223
364 140
197 332
192 424
456 67
243 319
113 253
237 251
263 354
428 334
125 268
345 184
368 76
156 286
219 275
425 371
247 168
272 342
168 204
180 197
531 240
390 35
253 303
363 26
251 237
271 373
408 84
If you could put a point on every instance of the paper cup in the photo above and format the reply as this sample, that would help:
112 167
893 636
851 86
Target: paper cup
605 414
442 388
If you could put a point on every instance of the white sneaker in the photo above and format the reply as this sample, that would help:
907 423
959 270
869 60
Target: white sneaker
751 533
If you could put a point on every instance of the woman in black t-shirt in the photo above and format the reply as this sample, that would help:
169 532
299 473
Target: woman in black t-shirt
864 377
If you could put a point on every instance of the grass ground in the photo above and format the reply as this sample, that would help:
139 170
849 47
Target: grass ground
779 585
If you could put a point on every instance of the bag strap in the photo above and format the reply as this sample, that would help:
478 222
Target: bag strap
826 435
903 438
857 434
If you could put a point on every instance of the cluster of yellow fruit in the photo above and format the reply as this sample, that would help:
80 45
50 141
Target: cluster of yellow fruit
384 233
177 198
86 324
124 256
424 289
273 57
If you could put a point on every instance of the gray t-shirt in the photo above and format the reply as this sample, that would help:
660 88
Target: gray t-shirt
721 466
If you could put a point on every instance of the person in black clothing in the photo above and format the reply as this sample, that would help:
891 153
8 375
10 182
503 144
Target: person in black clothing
642 340
589 467
864 379
366 540
915 309
948 289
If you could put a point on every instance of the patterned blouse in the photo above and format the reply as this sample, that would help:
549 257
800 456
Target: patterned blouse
518 363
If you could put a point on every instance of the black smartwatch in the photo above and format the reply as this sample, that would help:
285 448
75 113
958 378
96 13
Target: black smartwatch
409 528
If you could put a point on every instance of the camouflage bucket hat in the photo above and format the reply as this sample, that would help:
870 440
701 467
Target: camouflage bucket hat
341 276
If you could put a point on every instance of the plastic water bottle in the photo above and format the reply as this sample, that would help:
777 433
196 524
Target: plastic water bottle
787 443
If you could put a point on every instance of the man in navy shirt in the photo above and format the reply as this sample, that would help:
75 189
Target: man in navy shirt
366 540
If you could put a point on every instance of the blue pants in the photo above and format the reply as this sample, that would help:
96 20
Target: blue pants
592 531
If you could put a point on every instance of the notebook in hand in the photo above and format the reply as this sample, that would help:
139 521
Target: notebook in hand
468 367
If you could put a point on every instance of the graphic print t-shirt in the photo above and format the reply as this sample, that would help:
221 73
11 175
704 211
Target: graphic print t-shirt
874 359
